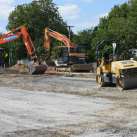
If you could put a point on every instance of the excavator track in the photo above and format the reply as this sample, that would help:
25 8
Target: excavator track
126 83
74 68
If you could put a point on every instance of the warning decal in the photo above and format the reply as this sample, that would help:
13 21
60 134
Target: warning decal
113 65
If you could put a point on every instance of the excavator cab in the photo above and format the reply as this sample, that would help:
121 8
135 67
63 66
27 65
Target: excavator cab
67 55
62 55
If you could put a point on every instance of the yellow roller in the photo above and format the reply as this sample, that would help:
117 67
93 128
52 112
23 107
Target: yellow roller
122 73
114 69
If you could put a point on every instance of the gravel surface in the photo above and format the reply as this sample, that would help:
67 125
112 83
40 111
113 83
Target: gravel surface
24 111
65 107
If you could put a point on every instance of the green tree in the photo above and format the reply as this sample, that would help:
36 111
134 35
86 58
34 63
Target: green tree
85 38
35 16
132 8
120 24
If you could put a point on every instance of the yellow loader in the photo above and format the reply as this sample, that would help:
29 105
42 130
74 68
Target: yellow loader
115 69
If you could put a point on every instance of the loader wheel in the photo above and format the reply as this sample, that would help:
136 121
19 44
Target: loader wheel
120 83
100 81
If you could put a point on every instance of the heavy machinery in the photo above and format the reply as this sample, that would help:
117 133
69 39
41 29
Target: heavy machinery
115 69
37 67
74 61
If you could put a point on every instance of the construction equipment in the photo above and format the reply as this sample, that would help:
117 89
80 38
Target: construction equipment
37 67
74 61
115 69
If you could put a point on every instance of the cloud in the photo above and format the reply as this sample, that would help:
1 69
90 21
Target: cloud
69 11
99 16
6 8
87 24
88 0
7 1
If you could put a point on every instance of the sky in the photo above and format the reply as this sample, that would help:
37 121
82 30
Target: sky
82 14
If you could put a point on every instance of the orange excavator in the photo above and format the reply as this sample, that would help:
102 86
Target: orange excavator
37 67
75 61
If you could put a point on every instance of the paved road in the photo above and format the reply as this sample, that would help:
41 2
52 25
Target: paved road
26 110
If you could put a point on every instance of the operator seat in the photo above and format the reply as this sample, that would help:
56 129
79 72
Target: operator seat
118 57
106 57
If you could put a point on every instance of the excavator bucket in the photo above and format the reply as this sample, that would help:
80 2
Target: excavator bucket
38 69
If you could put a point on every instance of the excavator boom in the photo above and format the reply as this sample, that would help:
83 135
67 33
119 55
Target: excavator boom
37 67
56 35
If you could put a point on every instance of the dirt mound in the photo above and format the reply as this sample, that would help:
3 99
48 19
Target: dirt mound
11 71
20 68
16 69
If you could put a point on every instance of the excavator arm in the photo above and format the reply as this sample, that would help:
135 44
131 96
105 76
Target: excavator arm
37 67
58 36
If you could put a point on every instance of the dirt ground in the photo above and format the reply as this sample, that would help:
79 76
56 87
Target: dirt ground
119 119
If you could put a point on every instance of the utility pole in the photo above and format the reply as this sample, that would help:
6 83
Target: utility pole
69 30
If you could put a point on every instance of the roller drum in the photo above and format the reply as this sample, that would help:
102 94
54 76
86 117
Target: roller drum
127 83
38 69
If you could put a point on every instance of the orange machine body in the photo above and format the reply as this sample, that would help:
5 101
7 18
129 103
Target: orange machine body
57 36
29 45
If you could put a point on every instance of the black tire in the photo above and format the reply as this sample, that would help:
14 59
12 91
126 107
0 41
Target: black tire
100 81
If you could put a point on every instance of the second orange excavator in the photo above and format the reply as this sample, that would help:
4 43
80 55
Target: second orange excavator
37 67
74 61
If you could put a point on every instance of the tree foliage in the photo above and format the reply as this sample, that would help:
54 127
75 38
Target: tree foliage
84 38
35 16
120 24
